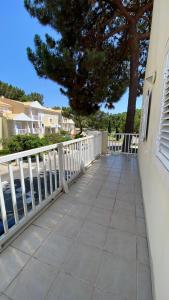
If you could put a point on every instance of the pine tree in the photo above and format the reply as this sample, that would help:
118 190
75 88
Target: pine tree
102 49
86 70
15 93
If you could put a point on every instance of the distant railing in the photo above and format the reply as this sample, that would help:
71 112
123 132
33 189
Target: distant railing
37 130
36 118
29 180
123 143
23 131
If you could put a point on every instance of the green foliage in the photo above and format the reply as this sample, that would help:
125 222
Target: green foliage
11 92
19 143
101 48
4 152
54 138
57 107
109 127
63 132
80 121
89 71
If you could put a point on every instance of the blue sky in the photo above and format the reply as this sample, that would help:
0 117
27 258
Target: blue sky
16 34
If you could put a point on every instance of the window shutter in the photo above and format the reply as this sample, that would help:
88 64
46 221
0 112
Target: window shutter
164 122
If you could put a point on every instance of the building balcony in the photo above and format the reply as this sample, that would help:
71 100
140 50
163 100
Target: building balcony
37 130
23 131
35 118
87 243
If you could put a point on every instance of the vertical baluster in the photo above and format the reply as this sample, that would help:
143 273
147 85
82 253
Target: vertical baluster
38 179
13 194
116 143
55 168
45 179
75 157
50 173
120 143
88 149
67 155
31 182
78 156
74 166
3 208
63 183
69 161
129 143
124 141
84 151
23 186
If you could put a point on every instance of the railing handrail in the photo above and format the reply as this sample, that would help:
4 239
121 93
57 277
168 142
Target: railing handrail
22 154
123 142
40 178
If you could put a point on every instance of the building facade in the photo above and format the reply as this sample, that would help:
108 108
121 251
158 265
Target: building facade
154 149
29 118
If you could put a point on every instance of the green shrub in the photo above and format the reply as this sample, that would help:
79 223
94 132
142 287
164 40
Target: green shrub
4 152
19 143
64 132
78 136
54 138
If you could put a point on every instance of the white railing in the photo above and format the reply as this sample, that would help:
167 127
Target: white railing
35 117
36 130
31 179
123 143
22 131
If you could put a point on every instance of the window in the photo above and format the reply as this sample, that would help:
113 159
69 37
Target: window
145 117
163 141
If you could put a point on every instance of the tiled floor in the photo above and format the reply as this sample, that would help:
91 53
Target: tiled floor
89 245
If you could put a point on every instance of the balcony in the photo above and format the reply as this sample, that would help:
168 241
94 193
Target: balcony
35 118
86 244
23 131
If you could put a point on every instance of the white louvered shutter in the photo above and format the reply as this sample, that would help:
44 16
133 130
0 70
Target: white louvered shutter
164 122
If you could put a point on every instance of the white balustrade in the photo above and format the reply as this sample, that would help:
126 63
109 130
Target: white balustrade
31 179
22 131
123 143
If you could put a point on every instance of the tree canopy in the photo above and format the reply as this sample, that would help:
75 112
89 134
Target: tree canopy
87 70
101 49
102 121
15 93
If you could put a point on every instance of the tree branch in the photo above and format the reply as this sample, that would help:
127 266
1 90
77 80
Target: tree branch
117 30
122 10
144 36
145 8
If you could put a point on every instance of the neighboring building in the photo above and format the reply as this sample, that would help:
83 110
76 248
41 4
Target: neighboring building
29 117
154 149
67 124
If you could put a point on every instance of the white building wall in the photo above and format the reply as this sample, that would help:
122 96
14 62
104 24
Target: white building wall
154 175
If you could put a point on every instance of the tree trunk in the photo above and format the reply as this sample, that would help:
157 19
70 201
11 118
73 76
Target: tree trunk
80 126
134 63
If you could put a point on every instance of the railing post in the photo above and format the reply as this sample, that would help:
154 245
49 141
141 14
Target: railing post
104 142
63 182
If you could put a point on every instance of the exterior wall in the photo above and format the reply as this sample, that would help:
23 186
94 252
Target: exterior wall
154 175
